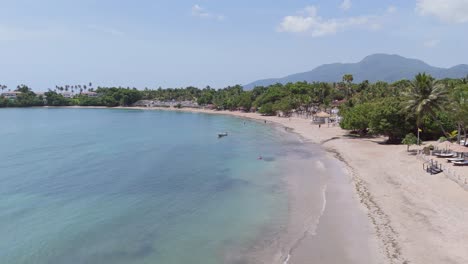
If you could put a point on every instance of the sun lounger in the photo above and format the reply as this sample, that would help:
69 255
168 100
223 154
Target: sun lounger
461 163
455 159
444 155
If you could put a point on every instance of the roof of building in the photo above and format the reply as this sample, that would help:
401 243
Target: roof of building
14 92
322 114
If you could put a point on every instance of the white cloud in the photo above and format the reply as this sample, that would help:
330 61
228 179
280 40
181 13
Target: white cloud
106 30
431 43
452 11
346 5
308 21
198 11
391 9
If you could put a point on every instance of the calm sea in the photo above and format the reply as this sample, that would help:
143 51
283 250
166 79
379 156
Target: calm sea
128 186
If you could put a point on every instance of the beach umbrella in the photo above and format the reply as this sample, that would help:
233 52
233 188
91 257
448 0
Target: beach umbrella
458 148
322 115
453 147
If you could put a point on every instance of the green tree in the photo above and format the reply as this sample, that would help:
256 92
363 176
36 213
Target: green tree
55 99
357 118
348 79
387 118
410 139
267 109
424 97
246 101
459 107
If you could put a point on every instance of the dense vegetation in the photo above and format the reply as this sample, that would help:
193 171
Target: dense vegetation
438 107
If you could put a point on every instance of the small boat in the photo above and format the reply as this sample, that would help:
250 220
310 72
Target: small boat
220 135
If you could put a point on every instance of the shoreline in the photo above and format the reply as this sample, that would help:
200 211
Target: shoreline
415 217
305 241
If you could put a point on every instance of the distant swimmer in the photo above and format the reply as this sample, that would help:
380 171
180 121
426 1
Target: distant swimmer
260 157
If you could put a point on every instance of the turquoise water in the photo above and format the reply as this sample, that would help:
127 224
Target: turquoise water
129 186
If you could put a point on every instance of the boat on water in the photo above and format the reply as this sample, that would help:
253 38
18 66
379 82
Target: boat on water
220 135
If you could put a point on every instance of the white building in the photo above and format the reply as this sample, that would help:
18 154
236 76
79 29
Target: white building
11 95
335 111
67 95
90 94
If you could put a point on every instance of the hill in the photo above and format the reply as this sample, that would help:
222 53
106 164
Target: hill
377 67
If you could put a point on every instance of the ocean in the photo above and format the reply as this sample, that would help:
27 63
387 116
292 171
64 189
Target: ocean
131 186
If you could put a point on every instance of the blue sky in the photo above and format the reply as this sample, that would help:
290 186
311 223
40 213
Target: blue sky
152 43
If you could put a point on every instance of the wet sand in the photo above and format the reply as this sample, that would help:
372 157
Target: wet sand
340 231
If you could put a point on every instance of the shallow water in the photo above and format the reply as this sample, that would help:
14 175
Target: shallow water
127 186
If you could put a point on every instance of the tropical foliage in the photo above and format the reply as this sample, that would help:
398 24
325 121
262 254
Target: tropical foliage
390 109
410 139
394 110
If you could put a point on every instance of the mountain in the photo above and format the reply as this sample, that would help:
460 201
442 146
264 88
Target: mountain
377 67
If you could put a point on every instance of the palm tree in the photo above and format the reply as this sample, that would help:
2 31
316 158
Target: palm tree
348 78
425 96
460 108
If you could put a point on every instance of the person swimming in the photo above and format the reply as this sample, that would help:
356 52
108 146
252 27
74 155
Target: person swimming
260 157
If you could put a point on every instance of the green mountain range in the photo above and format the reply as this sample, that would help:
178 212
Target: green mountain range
377 67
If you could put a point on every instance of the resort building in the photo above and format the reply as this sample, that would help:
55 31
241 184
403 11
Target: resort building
90 94
11 95
67 95
335 111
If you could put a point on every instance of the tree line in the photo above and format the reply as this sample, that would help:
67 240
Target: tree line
437 107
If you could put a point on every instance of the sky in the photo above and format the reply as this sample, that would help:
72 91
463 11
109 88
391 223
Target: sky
168 43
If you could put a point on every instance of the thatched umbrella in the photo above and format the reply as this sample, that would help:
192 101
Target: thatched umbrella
454 147
322 115
458 148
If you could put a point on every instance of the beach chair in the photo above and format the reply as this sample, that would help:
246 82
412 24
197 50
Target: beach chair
455 160
460 163
444 155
